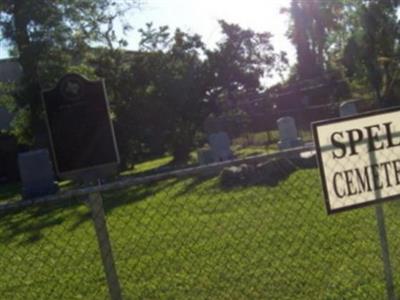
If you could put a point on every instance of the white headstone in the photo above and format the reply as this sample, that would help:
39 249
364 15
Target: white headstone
5 119
348 108
287 128
220 145
288 133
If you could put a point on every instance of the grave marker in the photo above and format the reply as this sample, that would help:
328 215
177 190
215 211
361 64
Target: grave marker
36 172
288 133
220 145
80 129
348 108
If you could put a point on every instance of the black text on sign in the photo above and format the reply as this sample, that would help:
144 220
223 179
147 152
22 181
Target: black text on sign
359 159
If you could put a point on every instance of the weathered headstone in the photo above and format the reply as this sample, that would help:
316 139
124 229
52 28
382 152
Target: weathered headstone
220 145
288 133
36 173
80 129
348 108
5 119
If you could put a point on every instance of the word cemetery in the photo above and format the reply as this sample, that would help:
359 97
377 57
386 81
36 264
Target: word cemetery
359 159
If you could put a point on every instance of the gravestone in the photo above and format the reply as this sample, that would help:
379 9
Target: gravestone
36 172
5 119
348 108
220 145
288 133
80 129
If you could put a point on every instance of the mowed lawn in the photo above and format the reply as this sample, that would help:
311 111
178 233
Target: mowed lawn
190 239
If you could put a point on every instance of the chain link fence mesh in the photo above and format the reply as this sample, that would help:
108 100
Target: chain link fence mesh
49 251
195 236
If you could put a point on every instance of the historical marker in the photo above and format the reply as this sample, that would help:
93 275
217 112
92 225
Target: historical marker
359 158
81 132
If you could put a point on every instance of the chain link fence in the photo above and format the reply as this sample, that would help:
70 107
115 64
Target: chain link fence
256 231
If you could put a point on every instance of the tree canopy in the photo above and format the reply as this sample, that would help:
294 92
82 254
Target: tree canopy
162 92
359 38
50 36
175 75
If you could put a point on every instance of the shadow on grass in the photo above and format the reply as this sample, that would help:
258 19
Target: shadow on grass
195 182
115 199
26 225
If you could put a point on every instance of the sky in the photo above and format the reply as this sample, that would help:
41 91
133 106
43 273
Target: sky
201 17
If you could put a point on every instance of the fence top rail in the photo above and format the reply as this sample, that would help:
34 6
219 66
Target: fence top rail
130 181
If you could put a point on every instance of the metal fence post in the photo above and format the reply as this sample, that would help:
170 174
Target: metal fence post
96 205
380 219
385 252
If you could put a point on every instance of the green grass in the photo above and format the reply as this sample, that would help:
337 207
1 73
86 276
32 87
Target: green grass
241 152
148 165
238 150
243 146
305 135
257 139
189 239
266 140
12 192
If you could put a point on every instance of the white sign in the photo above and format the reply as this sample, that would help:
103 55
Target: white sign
359 159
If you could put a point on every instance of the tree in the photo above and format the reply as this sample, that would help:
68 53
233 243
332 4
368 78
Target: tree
240 61
359 36
159 100
371 53
48 36
312 23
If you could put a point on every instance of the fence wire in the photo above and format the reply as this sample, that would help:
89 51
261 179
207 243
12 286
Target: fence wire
251 232
49 251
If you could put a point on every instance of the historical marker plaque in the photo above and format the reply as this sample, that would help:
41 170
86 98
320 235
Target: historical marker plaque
359 159
81 132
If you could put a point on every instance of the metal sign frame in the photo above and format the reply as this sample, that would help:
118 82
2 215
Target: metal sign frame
321 165
92 172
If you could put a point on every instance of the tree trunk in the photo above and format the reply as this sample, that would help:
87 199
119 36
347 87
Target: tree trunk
28 58
183 144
